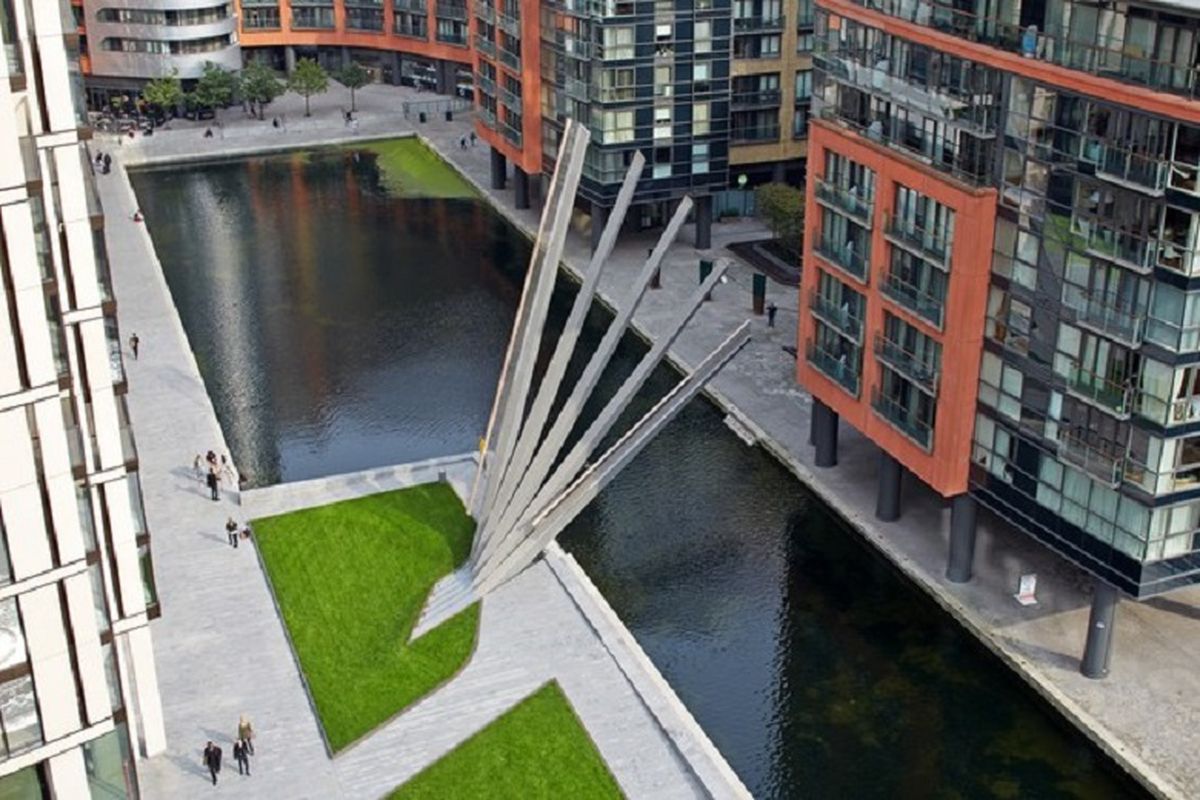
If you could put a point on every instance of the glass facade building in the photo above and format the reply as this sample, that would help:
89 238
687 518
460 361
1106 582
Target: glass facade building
77 677
1065 137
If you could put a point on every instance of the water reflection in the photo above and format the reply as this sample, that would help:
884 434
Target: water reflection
359 329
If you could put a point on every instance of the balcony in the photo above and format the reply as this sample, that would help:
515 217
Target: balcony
843 318
512 134
485 45
903 419
488 117
1103 317
932 246
486 12
758 24
846 257
1125 248
838 369
1098 462
510 25
845 201
510 99
1113 396
1135 171
768 98
925 376
485 83
754 134
451 10
510 60
904 293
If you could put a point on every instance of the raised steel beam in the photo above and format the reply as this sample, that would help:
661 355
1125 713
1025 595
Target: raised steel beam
574 461
539 532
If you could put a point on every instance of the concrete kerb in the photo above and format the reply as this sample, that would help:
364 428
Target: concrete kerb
192 365
695 748
1099 734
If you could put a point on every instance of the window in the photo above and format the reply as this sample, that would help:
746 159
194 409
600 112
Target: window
803 85
662 122
663 81
703 43
617 85
700 158
617 126
700 115
618 43
700 76
662 162
20 726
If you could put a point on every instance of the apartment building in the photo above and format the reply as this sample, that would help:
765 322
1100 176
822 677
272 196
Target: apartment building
771 90
1002 225
78 692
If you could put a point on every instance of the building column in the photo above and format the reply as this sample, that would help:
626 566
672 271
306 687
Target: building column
289 59
535 189
825 432
148 702
962 538
345 57
1098 651
779 172
520 187
704 216
395 56
67 775
599 219
446 77
499 168
891 479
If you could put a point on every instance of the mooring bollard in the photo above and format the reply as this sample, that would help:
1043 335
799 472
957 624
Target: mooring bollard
421 117
760 293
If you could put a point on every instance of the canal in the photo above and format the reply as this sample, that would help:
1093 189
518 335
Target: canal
343 318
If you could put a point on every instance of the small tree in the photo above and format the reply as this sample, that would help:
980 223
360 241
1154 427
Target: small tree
353 76
166 93
781 208
214 88
307 79
259 85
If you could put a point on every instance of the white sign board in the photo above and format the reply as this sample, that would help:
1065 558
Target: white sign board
1027 590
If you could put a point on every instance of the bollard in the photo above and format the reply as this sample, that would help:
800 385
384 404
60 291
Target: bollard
760 293
449 115
421 117
656 279
706 268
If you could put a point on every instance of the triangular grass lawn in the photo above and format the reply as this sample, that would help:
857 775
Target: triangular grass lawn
538 749
351 579
409 168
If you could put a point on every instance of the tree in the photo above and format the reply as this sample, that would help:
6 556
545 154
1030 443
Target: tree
307 79
353 76
781 208
214 89
166 92
259 85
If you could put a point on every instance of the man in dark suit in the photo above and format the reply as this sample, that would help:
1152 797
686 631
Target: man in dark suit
212 760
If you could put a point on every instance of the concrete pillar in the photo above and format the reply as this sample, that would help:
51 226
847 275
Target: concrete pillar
148 703
67 775
1098 651
520 187
395 56
599 219
345 57
499 168
289 59
536 197
891 479
446 77
812 426
704 214
825 431
962 538
779 172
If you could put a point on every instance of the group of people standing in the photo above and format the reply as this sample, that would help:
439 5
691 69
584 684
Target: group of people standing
103 162
243 748
215 472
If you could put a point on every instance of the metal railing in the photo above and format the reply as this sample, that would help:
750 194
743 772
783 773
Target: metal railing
433 108
925 305
510 59
485 45
1097 462
763 97
908 364
845 257
841 318
903 419
842 370
846 201
933 246
1104 317
757 23
757 133
1116 396
1125 167
486 12
510 99
510 25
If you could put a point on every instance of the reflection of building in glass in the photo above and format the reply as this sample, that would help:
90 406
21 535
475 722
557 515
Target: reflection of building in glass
1003 221
77 677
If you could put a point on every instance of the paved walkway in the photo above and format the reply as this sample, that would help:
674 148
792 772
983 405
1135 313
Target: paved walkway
1147 713
222 650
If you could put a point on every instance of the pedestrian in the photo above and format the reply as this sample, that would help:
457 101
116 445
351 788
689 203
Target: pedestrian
772 309
212 760
107 163
354 126
211 458
214 483
275 123
245 729
137 215
99 158
473 138
208 133
242 757
462 143
134 341
227 472
199 470
231 531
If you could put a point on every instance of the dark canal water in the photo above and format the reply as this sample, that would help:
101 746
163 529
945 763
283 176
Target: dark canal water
339 328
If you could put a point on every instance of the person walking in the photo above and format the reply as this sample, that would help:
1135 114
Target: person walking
213 483
107 163
212 760
231 531
462 143
772 310
245 729
242 758
227 473
473 138
211 458
198 469
134 341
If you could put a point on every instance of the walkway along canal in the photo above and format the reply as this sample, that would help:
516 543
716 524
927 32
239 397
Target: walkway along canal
336 333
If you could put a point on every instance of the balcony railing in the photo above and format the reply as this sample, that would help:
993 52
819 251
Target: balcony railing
485 45
908 364
846 201
845 256
510 99
766 97
1113 395
486 12
1143 172
487 116
933 246
485 83
510 60
759 23
920 302
843 318
1104 317
1103 464
1126 248
759 133
510 25
511 133
842 370
451 10
903 419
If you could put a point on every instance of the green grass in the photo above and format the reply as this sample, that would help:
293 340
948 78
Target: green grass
351 579
410 169
538 749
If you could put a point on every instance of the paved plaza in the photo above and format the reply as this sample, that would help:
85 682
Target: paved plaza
1146 714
